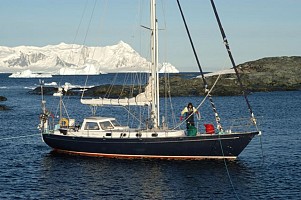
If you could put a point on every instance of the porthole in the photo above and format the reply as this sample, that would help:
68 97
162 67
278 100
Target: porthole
154 134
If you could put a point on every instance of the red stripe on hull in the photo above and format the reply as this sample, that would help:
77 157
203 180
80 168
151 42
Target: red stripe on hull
122 156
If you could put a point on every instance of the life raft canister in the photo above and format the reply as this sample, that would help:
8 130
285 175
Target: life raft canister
64 122
209 128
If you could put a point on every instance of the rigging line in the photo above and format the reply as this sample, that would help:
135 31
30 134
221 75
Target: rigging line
140 82
65 110
88 29
108 92
93 109
232 61
78 27
164 29
23 136
125 81
217 118
104 11
144 80
227 170
132 115
131 94
202 102
42 92
81 20
86 81
192 45
137 21
85 37
166 80
77 31
164 13
262 155
168 101
67 96
171 106
131 79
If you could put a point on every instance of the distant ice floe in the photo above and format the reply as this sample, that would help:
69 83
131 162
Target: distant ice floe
226 71
29 74
30 88
51 84
68 86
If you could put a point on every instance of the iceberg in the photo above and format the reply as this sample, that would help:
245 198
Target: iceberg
85 70
168 68
29 74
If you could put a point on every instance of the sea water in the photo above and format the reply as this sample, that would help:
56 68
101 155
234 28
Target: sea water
269 168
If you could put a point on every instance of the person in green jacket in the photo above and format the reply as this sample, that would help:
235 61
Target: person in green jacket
189 112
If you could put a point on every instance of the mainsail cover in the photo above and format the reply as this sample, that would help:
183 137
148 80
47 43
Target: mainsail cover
142 99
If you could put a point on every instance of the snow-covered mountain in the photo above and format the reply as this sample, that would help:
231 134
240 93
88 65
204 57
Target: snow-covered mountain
75 59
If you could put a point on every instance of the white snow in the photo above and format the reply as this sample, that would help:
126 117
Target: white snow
168 68
67 86
28 74
89 69
51 84
226 71
71 59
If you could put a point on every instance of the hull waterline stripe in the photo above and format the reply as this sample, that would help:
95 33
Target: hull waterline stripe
143 156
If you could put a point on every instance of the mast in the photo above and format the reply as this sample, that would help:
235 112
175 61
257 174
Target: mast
154 68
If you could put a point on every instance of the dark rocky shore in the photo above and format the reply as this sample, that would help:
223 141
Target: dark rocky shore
263 75
3 107
266 74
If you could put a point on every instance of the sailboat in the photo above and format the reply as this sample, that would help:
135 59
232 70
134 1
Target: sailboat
104 137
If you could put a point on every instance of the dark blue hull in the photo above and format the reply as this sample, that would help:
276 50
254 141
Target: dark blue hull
198 147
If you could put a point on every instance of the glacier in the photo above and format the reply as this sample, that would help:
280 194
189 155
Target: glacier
71 59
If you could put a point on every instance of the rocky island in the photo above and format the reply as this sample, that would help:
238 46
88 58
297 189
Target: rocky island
263 75
266 74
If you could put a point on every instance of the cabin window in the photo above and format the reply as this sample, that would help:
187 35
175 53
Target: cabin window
114 122
91 126
106 125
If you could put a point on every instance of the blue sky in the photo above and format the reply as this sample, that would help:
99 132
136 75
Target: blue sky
255 28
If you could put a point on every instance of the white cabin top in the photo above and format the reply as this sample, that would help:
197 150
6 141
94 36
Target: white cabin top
99 119
101 123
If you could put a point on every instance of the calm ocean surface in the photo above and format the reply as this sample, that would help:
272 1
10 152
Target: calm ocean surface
29 170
